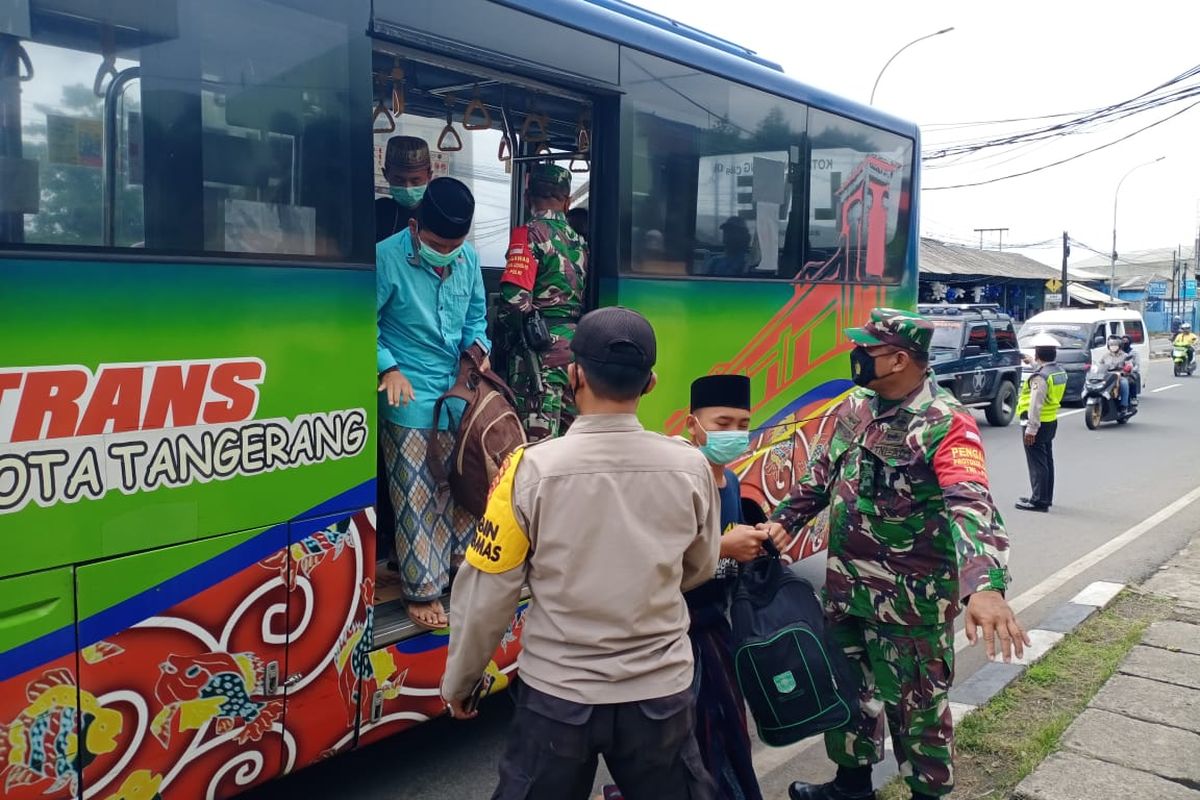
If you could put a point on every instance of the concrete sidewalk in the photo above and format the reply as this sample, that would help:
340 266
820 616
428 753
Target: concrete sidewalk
1140 735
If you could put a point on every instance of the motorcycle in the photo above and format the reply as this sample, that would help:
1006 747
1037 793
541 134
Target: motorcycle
1184 366
1102 391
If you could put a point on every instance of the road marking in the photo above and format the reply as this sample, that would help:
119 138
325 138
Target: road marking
1059 579
1164 388
1069 413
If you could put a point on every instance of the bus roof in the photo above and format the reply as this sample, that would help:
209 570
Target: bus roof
627 24
682 29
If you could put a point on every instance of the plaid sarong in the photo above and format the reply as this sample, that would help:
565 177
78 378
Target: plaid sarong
429 539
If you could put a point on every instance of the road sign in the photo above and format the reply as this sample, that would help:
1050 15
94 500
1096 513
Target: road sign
1054 298
1053 285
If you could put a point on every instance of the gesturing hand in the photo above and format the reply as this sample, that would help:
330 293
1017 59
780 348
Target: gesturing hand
990 611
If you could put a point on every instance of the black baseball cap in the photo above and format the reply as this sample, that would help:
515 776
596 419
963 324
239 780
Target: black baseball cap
615 335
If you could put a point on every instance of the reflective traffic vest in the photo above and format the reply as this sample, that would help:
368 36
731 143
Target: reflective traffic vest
1056 387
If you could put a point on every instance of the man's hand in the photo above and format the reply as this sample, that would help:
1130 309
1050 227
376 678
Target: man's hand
1029 438
779 535
989 610
398 389
742 543
457 709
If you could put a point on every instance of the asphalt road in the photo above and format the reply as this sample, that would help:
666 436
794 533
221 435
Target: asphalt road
1111 484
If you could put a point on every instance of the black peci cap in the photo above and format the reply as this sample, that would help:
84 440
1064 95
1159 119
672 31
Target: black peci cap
727 391
447 208
616 335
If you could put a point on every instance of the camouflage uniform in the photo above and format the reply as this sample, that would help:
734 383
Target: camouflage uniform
546 270
912 528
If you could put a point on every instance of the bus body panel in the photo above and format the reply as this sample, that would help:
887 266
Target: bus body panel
191 682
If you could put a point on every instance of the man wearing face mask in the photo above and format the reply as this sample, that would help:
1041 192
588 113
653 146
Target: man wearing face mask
545 275
431 311
608 525
719 425
913 531
408 170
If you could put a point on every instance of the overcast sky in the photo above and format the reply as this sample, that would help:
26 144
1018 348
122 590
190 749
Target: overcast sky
1017 59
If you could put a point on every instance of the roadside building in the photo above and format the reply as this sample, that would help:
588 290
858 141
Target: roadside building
1020 285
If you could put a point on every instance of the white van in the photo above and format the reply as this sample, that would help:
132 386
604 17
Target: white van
1084 334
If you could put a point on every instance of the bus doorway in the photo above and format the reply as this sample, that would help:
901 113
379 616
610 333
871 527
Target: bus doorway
486 129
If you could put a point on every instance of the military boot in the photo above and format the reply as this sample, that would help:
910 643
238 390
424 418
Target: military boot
825 791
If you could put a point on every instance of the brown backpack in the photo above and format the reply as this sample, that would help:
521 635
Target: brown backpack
488 431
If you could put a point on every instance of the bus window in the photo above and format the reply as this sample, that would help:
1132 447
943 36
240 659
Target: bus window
163 126
858 216
478 130
51 130
714 178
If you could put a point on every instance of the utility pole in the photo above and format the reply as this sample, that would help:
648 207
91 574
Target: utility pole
982 231
1066 295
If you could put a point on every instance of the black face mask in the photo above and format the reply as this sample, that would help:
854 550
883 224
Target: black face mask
862 367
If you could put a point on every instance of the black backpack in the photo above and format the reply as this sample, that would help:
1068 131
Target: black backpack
796 680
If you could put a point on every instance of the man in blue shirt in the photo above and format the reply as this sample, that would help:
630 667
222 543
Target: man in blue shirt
431 311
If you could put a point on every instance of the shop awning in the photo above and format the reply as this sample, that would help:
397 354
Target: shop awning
1092 297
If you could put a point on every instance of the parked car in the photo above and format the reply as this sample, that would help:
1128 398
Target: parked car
975 355
1083 335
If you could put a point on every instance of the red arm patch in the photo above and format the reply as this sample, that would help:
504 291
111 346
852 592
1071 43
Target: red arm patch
959 458
519 269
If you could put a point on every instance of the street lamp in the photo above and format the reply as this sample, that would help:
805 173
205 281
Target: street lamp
1112 279
898 52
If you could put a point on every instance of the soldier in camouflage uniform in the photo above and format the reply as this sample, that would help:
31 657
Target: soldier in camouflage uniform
545 272
912 528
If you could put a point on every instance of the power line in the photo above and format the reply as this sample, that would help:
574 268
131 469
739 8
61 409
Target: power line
1063 160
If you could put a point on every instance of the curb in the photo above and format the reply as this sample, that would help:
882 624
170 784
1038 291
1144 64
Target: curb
995 676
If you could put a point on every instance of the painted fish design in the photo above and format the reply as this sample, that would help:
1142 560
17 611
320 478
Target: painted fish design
214 686
42 743
311 551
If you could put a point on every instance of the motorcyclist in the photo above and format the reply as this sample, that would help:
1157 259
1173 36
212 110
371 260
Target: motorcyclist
1185 338
1135 386
1115 360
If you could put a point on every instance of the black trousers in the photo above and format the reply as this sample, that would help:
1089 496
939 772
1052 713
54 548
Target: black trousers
649 747
1040 458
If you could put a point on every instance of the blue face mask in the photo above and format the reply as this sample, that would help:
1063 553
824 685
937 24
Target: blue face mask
438 259
722 447
408 196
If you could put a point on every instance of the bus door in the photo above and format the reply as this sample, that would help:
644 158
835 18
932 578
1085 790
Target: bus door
485 128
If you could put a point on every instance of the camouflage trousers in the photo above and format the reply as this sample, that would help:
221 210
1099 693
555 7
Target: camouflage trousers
906 674
550 413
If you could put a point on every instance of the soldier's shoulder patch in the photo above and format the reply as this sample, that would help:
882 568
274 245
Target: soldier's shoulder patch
959 456
500 543
520 268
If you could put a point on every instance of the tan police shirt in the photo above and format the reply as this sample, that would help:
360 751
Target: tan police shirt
608 525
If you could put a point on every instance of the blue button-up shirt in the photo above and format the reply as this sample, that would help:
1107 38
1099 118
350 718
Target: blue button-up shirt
425 323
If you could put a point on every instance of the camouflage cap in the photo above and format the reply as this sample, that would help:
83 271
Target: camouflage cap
903 329
551 176
407 152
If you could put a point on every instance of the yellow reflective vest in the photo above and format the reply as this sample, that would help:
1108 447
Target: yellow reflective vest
1056 387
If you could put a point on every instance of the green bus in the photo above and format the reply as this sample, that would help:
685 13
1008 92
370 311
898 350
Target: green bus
190 599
